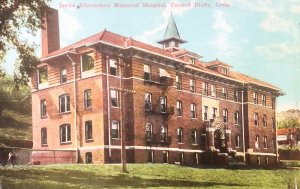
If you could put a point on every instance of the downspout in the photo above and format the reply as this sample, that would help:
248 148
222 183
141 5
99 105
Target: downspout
75 108
243 125
108 108
276 125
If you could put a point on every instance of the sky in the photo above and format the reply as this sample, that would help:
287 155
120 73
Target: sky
260 38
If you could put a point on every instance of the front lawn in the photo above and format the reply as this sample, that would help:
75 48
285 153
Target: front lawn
142 176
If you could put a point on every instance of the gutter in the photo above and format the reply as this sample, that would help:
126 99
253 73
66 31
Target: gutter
54 56
243 125
108 107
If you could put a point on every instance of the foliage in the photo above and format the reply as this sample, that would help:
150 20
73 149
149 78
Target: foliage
17 99
143 176
289 122
17 16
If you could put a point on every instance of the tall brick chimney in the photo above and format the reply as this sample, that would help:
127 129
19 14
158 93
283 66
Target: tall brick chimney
50 31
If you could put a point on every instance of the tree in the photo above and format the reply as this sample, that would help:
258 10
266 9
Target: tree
15 17
289 122
14 99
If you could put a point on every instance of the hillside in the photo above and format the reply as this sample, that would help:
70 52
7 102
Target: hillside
15 129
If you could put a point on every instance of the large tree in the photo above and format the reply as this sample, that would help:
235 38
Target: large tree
17 16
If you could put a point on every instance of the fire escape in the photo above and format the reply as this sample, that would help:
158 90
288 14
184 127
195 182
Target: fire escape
158 109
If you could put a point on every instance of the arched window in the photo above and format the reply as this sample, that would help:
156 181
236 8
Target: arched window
164 133
256 141
237 141
44 136
194 137
265 140
149 128
180 135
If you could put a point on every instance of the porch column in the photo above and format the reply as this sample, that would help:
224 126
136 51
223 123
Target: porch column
211 142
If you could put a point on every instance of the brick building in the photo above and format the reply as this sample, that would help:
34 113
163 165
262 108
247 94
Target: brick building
175 107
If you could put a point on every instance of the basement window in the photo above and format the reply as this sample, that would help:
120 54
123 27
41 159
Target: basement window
42 77
87 64
88 158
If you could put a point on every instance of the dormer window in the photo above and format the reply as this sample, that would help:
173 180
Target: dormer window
224 71
192 61
176 44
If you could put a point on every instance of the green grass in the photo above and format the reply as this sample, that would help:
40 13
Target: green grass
15 126
143 176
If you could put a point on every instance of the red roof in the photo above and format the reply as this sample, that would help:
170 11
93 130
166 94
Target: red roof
286 131
125 42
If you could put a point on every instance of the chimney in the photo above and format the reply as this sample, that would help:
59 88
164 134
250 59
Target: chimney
50 31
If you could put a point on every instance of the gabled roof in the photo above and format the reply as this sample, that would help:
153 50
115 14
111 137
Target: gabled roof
217 63
184 52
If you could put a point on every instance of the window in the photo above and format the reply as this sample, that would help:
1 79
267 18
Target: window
205 113
181 157
148 101
192 61
147 73
88 157
115 129
273 124
178 82
88 130
180 135
43 108
43 74
237 141
224 92
196 158
193 110
150 156
149 130
205 88
255 119
255 99
178 108
192 86
236 96
113 65
236 118
44 136
63 75
273 103
64 103
163 104
88 98
265 140
263 99
214 113
258 160
256 141
213 91
65 133
163 133
224 70
264 120
114 96
87 62
167 45
225 116
165 156
194 137
176 44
